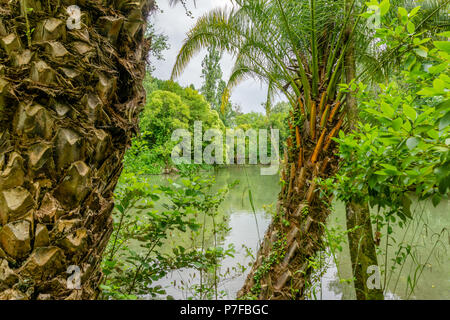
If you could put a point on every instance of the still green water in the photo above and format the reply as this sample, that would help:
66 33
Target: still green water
430 246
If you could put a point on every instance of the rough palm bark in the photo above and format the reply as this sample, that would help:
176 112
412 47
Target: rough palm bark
69 101
282 269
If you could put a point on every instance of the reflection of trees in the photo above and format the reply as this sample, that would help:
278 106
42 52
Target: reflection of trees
426 235
264 188
428 221
335 286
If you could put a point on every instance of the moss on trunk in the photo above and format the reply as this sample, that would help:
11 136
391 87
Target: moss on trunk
362 249
281 270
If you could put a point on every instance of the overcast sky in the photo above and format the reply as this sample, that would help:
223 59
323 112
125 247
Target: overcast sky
174 23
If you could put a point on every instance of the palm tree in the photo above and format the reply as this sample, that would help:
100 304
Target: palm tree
70 94
302 49
298 48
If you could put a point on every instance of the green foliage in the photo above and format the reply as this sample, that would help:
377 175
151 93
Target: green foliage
251 120
401 146
159 44
165 113
277 119
213 87
404 144
135 258
29 31
212 78
400 150
141 159
269 39
199 108
169 107
276 255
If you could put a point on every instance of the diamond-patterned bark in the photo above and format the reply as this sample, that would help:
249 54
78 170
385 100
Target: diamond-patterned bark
69 102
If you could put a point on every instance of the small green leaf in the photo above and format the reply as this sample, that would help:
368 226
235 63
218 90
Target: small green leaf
437 68
410 61
426 92
397 124
406 202
438 85
384 7
372 181
433 134
414 11
445 34
421 52
381 173
402 11
444 184
412 142
443 45
418 41
409 112
436 199
444 122
367 14
387 110
389 166
410 27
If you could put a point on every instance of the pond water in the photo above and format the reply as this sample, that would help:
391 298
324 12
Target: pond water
429 261
244 227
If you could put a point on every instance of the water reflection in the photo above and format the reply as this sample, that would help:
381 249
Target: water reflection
428 236
245 228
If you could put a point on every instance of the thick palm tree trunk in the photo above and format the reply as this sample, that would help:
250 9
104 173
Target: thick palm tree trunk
281 269
69 100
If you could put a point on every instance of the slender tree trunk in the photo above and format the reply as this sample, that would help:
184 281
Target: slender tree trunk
362 251
361 242
70 95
